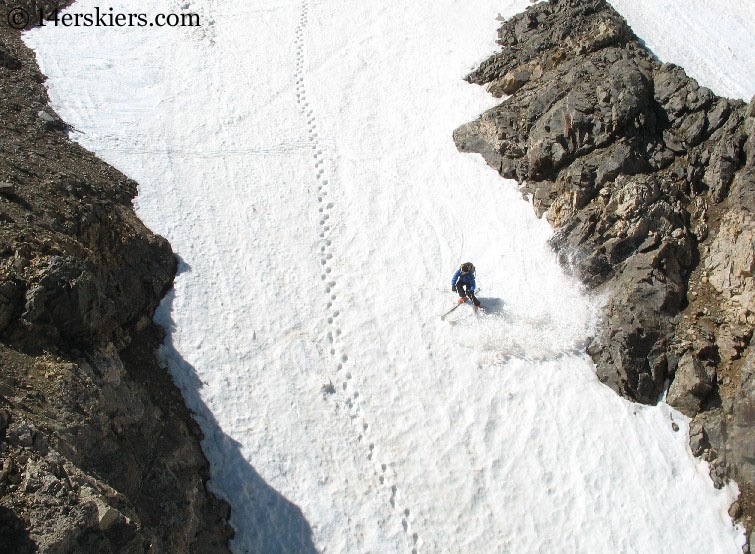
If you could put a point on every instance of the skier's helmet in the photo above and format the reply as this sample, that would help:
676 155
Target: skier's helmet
467 267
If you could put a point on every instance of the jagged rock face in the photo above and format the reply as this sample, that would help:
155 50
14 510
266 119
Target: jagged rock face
731 262
743 425
649 180
693 382
98 453
103 457
619 151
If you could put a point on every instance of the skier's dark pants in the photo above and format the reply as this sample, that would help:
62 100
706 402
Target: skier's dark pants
460 289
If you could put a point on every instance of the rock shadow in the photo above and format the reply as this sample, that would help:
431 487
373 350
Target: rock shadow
14 536
264 520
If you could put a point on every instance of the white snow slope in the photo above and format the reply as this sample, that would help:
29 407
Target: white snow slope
298 156
711 39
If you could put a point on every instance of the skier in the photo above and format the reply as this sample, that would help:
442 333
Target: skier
464 277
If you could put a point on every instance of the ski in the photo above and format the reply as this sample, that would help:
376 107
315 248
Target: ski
443 317
449 312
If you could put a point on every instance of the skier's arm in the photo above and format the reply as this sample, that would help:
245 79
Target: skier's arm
455 278
472 284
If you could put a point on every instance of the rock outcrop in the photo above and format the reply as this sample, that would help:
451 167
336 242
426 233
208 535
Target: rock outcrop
649 180
98 452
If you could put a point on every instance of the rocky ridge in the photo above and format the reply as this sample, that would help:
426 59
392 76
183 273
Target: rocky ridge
98 452
649 180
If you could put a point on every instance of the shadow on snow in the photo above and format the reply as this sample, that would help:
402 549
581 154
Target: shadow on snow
264 520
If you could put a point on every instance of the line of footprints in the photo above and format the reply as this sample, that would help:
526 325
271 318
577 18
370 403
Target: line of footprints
324 206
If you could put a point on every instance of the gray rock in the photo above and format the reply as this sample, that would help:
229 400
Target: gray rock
509 83
51 122
742 442
4 421
717 116
9 61
692 384
21 434
724 162
731 261
69 301
735 510
11 301
698 439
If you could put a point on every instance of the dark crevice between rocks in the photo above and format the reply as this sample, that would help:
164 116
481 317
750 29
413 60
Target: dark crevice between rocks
649 181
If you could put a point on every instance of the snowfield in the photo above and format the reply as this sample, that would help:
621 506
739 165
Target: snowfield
711 39
298 157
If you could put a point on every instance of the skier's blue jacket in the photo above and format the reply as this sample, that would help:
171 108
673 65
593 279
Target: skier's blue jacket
465 278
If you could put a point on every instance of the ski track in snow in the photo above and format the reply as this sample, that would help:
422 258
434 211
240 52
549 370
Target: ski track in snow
298 157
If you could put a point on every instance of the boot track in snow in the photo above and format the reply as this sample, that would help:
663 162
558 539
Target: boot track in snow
344 391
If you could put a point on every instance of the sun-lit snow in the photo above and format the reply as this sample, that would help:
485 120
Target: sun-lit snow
712 39
298 157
